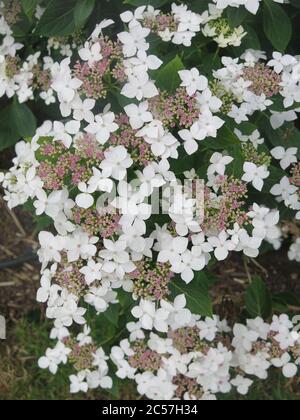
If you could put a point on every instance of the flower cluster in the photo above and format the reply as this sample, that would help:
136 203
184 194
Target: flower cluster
217 27
251 5
30 78
188 358
252 82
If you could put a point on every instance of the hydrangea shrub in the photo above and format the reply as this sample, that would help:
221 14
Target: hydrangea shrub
166 158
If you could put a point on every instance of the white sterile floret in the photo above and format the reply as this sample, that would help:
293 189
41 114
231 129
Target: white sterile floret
103 126
286 156
193 81
255 174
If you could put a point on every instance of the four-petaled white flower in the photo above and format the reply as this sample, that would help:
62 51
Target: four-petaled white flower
255 174
138 115
286 156
222 245
91 53
92 271
193 81
103 126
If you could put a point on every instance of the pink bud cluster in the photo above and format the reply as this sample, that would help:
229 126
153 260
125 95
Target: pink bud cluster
100 76
12 10
151 280
160 23
139 150
264 80
179 109
59 165
104 222
230 205
295 172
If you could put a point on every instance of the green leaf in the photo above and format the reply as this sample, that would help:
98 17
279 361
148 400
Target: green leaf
236 166
225 139
168 77
277 25
295 3
112 314
58 19
185 163
154 3
196 293
124 299
236 16
276 174
83 11
16 121
251 40
258 299
29 7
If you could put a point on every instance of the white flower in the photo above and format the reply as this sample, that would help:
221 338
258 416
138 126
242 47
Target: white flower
80 245
190 144
139 86
254 138
149 317
138 115
84 337
50 205
179 315
78 383
68 313
100 181
129 16
85 200
92 271
190 262
242 384
63 132
208 328
133 236
116 258
243 337
50 247
83 110
103 126
54 357
116 162
207 126
279 61
134 40
172 248
46 288
222 245
91 54
48 97
192 81
255 174
284 189
239 114
279 118
218 163
64 84
286 156
290 370
99 28
206 100
100 298
141 64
